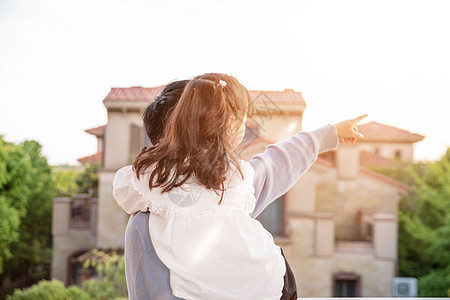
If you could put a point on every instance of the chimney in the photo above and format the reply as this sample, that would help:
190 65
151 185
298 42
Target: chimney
347 161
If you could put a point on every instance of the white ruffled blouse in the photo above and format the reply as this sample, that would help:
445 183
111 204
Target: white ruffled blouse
212 251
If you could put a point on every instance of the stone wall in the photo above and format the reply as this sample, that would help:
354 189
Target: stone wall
112 220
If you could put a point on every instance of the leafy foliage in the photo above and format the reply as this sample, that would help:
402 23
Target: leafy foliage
435 284
110 280
15 177
27 187
64 181
49 290
26 193
108 283
35 242
87 180
424 227
405 172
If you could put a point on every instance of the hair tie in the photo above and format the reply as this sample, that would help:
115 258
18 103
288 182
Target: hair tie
222 83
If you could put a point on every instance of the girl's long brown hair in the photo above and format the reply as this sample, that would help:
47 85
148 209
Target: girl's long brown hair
196 140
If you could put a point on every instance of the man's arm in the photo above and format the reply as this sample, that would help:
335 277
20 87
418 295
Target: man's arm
283 163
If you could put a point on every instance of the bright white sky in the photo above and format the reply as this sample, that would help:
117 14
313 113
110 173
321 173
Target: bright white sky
59 59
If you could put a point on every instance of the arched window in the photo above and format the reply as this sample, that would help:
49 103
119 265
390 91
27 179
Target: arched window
346 285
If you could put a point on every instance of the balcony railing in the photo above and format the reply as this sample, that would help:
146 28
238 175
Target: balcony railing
80 211
354 232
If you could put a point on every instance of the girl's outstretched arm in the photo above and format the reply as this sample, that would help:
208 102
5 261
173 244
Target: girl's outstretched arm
283 163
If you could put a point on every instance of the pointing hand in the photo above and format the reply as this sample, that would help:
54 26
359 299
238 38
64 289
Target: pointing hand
348 131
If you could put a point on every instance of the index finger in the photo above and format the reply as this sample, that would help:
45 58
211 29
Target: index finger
356 120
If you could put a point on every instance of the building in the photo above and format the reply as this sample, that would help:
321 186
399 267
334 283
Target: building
337 225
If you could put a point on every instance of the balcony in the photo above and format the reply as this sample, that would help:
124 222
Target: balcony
374 234
354 233
74 230
80 211
74 213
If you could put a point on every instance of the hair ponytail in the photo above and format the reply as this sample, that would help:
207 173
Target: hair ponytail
195 139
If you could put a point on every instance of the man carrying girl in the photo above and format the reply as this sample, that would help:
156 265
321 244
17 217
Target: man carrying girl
213 248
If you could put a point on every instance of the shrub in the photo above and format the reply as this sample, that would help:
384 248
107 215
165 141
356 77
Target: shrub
435 284
109 282
49 290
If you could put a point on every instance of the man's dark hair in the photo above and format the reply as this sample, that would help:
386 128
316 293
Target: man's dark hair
157 113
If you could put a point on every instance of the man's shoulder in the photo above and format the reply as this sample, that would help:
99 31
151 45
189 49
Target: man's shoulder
139 219
138 225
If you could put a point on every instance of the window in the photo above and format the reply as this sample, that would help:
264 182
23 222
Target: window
135 141
398 154
346 285
138 140
77 274
273 217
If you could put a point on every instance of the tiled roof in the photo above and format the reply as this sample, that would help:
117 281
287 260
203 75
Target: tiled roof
365 159
97 131
384 178
91 159
134 94
375 175
141 94
376 132
288 96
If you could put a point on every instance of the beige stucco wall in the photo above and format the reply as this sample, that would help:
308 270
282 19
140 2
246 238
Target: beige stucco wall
311 271
347 161
67 240
112 220
117 141
302 196
65 246
314 269
346 198
376 274
388 149
100 145
318 202
386 236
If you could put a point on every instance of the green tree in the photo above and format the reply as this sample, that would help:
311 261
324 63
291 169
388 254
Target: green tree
424 228
15 177
49 290
405 172
64 181
28 195
87 180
